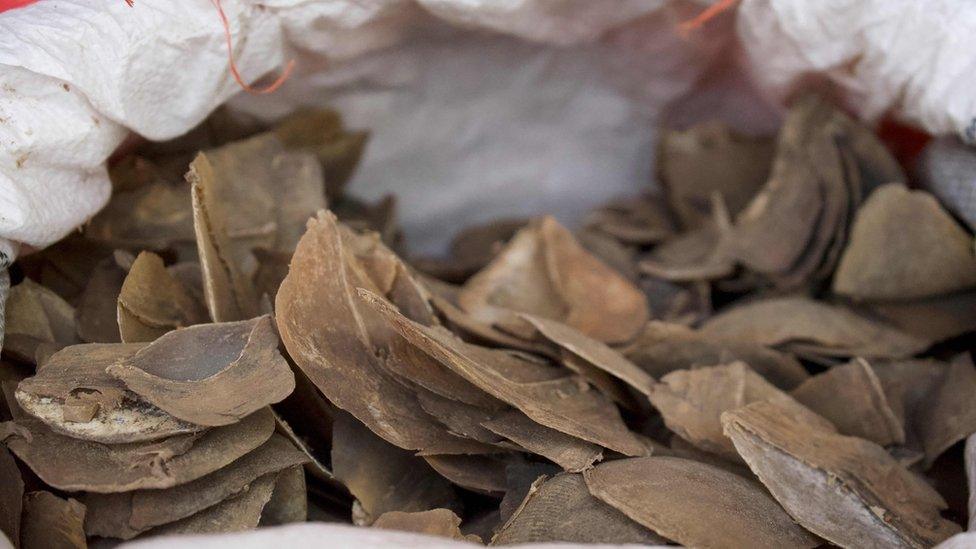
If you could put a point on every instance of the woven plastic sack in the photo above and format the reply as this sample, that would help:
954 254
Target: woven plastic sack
500 106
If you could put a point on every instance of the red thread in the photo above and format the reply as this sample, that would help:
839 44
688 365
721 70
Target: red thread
14 4
233 65
704 17
130 3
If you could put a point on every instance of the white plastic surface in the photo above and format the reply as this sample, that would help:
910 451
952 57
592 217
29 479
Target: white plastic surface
323 535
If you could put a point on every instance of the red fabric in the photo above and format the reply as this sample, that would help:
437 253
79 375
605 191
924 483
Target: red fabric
12 4
903 141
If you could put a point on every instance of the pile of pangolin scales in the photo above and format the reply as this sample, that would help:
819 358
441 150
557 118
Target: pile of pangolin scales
770 352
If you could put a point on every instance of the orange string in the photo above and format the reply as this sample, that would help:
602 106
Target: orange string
710 13
233 65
